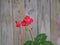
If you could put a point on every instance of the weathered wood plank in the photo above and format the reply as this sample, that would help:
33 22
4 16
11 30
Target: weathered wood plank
0 24
22 14
4 34
15 17
55 21
18 13
7 29
43 13
9 23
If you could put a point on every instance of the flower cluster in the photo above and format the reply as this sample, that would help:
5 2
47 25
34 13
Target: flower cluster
26 21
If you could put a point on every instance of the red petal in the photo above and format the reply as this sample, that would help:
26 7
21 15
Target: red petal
31 19
17 23
27 17
23 23
27 21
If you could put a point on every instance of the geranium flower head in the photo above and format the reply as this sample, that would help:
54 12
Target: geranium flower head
28 20
17 23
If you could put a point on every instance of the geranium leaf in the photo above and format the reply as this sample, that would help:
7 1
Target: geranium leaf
28 43
41 37
47 43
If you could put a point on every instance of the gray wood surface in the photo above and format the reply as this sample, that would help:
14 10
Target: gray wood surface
0 25
6 23
55 21
18 14
12 10
43 16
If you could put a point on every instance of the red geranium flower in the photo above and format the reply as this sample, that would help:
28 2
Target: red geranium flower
23 23
17 23
28 20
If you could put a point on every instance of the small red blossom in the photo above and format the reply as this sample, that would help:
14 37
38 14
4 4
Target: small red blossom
23 23
27 21
31 20
27 17
17 23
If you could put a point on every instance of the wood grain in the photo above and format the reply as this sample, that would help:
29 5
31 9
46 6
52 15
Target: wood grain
55 21
0 25
43 15
12 10
6 23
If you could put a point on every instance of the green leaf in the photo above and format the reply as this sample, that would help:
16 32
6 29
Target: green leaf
28 43
31 43
36 43
39 40
41 37
47 43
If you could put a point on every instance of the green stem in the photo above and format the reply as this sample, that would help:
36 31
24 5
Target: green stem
31 36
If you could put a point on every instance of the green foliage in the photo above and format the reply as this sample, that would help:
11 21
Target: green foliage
48 43
39 40
31 42
41 37
28 42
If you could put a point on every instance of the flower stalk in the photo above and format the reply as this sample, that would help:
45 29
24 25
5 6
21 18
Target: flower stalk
31 35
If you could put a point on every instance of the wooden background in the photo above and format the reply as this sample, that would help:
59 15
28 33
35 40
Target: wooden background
44 13
55 21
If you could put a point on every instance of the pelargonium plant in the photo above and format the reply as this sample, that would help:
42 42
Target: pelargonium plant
40 39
